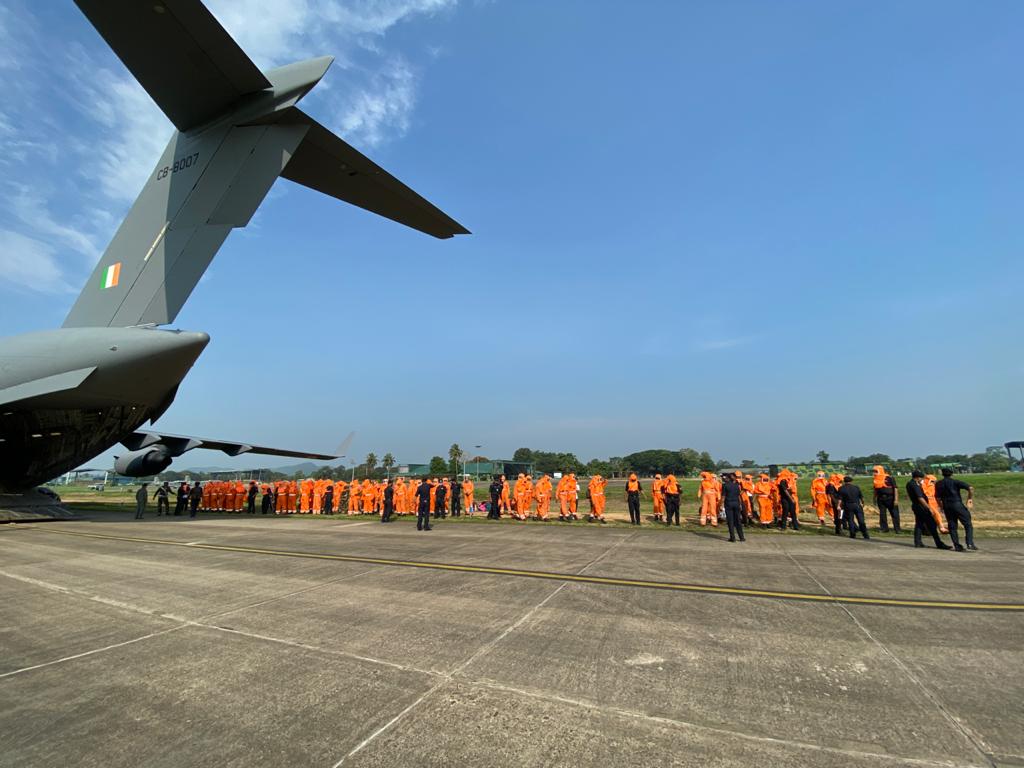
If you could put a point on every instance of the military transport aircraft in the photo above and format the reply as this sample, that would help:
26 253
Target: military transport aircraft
69 394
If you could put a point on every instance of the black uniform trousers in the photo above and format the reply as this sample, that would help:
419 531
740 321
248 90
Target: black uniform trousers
956 514
389 508
734 517
163 506
180 505
250 508
925 523
855 516
633 502
456 504
789 513
423 517
494 513
671 508
193 506
887 504
140 507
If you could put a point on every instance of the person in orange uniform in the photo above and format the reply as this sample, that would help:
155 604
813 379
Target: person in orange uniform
819 497
339 488
928 485
707 492
747 498
658 497
367 496
765 493
318 496
291 497
522 496
305 496
543 493
791 478
596 487
506 497
835 481
562 489
468 504
574 496
241 496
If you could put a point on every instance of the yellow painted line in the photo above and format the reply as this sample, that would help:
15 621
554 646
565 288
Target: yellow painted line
566 577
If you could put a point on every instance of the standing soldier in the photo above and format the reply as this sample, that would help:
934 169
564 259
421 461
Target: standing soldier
181 498
747 499
267 500
886 499
658 497
832 489
522 492
494 491
195 497
597 498
423 507
851 504
947 493
250 508
671 489
141 497
788 502
388 502
633 493
467 496
543 492
162 504
732 492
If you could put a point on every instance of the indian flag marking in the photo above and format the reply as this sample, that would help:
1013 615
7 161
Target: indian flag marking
111 275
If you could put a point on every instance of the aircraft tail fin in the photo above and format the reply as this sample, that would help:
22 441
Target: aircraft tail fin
203 186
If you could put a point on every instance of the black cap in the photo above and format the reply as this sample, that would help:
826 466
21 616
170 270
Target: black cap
847 479
917 473
947 472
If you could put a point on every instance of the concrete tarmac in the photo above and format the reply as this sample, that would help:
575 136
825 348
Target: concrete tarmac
244 641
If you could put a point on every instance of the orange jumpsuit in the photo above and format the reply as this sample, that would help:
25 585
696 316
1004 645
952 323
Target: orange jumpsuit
240 496
433 496
658 494
368 497
819 496
573 494
708 495
563 497
467 497
543 493
763 492
597 498
293 497
305 496
746 497
522 497
319 487
928 484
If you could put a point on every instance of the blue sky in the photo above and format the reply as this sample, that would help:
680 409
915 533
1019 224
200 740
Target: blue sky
760 229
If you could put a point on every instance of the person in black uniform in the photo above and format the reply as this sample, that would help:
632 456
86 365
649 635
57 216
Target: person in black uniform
886 499
194 497
923 520
162 504
837 515
328 501
267 502
851 501
182 500
633 494
456 499
947 493
389 502
788 503
440 496
141 497
250 495
423 507
494 513
731 493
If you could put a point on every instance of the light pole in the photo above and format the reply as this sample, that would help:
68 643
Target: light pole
476 463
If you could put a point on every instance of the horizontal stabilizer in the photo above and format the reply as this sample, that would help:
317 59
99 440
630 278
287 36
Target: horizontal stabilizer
179 444
179 52
326 163
49 385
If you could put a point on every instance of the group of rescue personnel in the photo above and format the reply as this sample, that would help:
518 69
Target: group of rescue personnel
738 499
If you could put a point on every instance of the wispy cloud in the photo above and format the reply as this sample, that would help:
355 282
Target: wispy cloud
711 345
86 136
29 263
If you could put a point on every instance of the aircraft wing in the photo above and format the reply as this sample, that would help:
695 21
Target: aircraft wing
180 53
179 444
326 163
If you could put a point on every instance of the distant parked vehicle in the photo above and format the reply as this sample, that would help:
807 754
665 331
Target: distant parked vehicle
96 487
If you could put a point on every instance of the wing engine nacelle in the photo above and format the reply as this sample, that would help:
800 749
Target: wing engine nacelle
143 463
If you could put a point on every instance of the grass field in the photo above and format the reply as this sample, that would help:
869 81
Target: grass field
998 510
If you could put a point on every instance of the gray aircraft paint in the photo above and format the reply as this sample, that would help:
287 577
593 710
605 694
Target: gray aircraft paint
68 394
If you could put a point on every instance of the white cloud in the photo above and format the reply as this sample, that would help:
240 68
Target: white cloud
711 345
28 263
375 113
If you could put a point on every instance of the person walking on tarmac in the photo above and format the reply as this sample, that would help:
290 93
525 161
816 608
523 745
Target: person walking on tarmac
947 493
923 520
423 507
182 499
141 497
671 489
886 499
732 501
162 504
389 502
851 505
494 490
633 494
